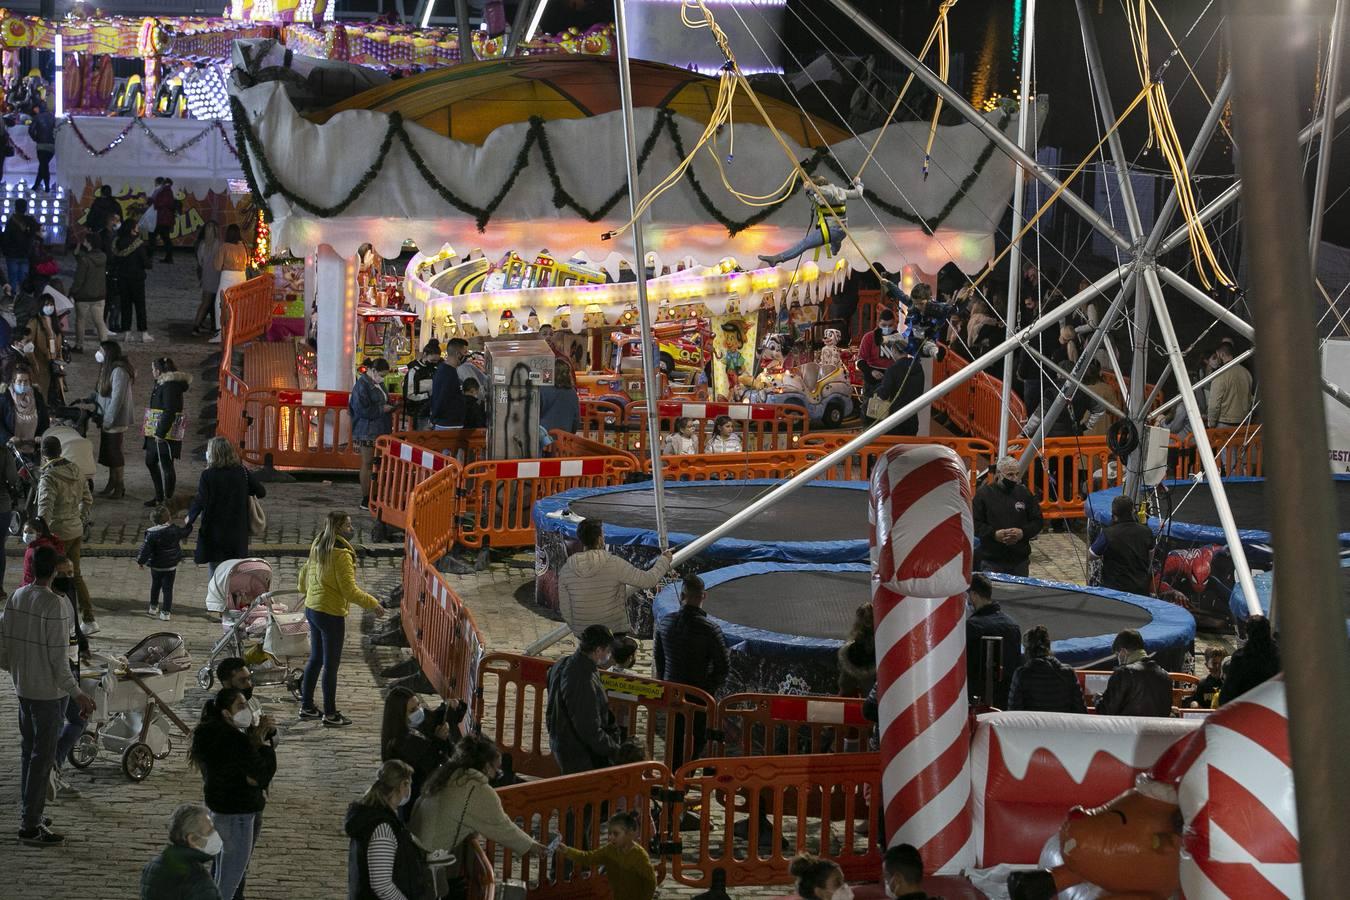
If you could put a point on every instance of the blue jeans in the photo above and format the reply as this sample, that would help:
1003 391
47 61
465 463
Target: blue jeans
326 633
70 734
16 270
238 833
39 727
810 241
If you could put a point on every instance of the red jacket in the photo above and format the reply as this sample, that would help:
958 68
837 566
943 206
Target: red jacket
53 542
869 351
166 207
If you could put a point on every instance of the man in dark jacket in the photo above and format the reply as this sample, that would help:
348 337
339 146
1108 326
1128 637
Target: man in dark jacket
1138 686
447 394
902 873
1043 683
581 728
1007 517
690 649
183 870
989 620
104 207
18 243
417 385
1125 548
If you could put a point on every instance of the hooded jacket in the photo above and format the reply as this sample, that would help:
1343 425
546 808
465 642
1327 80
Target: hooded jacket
581 728
593 588
332 588
228 759
1139 688
1044 684
167 397
91 277
179 873
410 873
63 498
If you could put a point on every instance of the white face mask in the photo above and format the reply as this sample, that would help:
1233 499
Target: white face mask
98 356
213 844
406 798
28 346
48 310
888 329
417 718
243 719
843 892
29 537
20 388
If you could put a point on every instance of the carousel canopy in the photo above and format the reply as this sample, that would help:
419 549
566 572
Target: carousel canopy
370 172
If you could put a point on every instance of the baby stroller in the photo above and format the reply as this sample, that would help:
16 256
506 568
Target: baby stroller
265 628
134 696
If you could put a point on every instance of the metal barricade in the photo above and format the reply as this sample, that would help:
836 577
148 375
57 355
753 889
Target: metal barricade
776 725
400 466
497 497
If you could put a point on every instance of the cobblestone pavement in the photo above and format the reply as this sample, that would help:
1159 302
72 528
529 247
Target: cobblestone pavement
117 825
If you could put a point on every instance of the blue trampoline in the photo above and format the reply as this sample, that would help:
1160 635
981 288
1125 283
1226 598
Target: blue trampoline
1265 588
782 619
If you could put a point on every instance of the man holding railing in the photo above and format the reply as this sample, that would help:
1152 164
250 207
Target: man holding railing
593 585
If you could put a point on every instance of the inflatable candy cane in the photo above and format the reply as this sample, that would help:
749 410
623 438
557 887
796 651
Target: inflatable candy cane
921 555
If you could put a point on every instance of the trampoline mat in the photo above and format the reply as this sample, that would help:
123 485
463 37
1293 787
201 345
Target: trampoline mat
1247 498
810 514
822 605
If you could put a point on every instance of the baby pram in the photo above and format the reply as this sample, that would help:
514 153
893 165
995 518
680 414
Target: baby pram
134 696
265 628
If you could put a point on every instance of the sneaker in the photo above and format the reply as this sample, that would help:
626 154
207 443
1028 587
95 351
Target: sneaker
215 338
147 338
63 789
336 720
311 713
364 504
152 610
164 617
90 627
41 836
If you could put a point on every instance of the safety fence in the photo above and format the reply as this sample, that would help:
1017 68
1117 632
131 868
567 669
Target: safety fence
400 466
975 406
1093 682
977 453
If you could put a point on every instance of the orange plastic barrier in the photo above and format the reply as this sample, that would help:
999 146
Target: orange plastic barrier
974 407
465 445
1067 470
576 807
566 444
230 421
762 426
977 453
723 466
399 467
247 311
602 421
512 698
496 497
775 725
299 430
1183 685
1239 451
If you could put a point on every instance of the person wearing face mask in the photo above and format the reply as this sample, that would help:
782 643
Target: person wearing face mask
237 760
36 535
328 581
1138 686
164 427
873 361
64 501
112 394
410 734
1007 517
384 862
23 411
182 870
902 873
819 879
582 730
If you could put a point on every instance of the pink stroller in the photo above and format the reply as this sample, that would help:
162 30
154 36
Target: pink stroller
266 628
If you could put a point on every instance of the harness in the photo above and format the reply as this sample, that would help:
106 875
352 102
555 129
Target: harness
824 213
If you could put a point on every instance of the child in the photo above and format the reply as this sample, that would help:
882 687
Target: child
1208 689
725 438
681 441
625 655
474 414
627 865
162 551
36 534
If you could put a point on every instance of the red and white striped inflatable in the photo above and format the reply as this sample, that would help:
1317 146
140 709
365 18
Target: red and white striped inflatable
921 557
1236 792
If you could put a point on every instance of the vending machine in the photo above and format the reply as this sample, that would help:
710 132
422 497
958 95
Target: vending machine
517 369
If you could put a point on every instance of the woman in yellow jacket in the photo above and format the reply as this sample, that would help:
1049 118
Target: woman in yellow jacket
328 581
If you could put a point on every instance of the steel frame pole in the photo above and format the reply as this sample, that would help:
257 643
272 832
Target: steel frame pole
1186 391
465 32
1265 36
1330 89
1099 87
1134 471
650 382
882 426
524 12
1019 193
1000 140
1077 385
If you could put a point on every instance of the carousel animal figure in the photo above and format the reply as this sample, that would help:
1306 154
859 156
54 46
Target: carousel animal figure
828 357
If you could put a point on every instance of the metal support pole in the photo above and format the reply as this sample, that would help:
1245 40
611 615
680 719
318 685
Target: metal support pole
651 384
524 13
1134 473
465 32
1019 194
1153 288
1330 89
959 103
1164 408
1265 35
1100 88
883 426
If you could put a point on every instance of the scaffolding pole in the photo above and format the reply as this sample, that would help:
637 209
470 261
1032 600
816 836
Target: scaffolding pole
1331 88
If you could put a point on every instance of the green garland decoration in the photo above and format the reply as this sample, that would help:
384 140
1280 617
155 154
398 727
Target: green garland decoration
250 149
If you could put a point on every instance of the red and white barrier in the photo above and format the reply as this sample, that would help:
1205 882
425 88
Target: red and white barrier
671 409
921 554
419 456
548 468
315 399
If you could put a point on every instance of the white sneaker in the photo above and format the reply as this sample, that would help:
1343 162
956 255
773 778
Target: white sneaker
113 336
146 338
60 789
152 611
215 338
90 627
164 617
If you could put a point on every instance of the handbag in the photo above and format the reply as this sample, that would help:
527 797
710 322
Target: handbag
879 407
155 417
257 517
449 880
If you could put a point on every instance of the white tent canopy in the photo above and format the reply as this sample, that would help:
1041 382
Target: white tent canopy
321 164
191 152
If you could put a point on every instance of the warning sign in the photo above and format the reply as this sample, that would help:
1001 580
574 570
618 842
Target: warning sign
635 687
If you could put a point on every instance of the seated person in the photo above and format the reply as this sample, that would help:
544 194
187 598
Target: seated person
902 873
1043 683
1138 686
725 438
1208 689
683 440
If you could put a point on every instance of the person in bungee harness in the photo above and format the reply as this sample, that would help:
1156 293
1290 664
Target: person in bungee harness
831 215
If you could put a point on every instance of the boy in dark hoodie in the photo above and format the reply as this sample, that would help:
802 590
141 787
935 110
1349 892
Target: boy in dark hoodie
162 551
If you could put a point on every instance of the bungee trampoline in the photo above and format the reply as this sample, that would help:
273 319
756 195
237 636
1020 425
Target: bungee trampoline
784 619
1265 589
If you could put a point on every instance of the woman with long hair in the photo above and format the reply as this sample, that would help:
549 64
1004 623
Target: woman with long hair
383 860
818 878
130 261
1254 663
113 396
458 802
858 656
236 755
328 581
410 734
1043 683
165 426
231 262
208 245
222 502
23 410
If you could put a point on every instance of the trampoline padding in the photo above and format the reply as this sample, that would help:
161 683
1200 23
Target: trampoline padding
1265 589
825 521
1196 519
